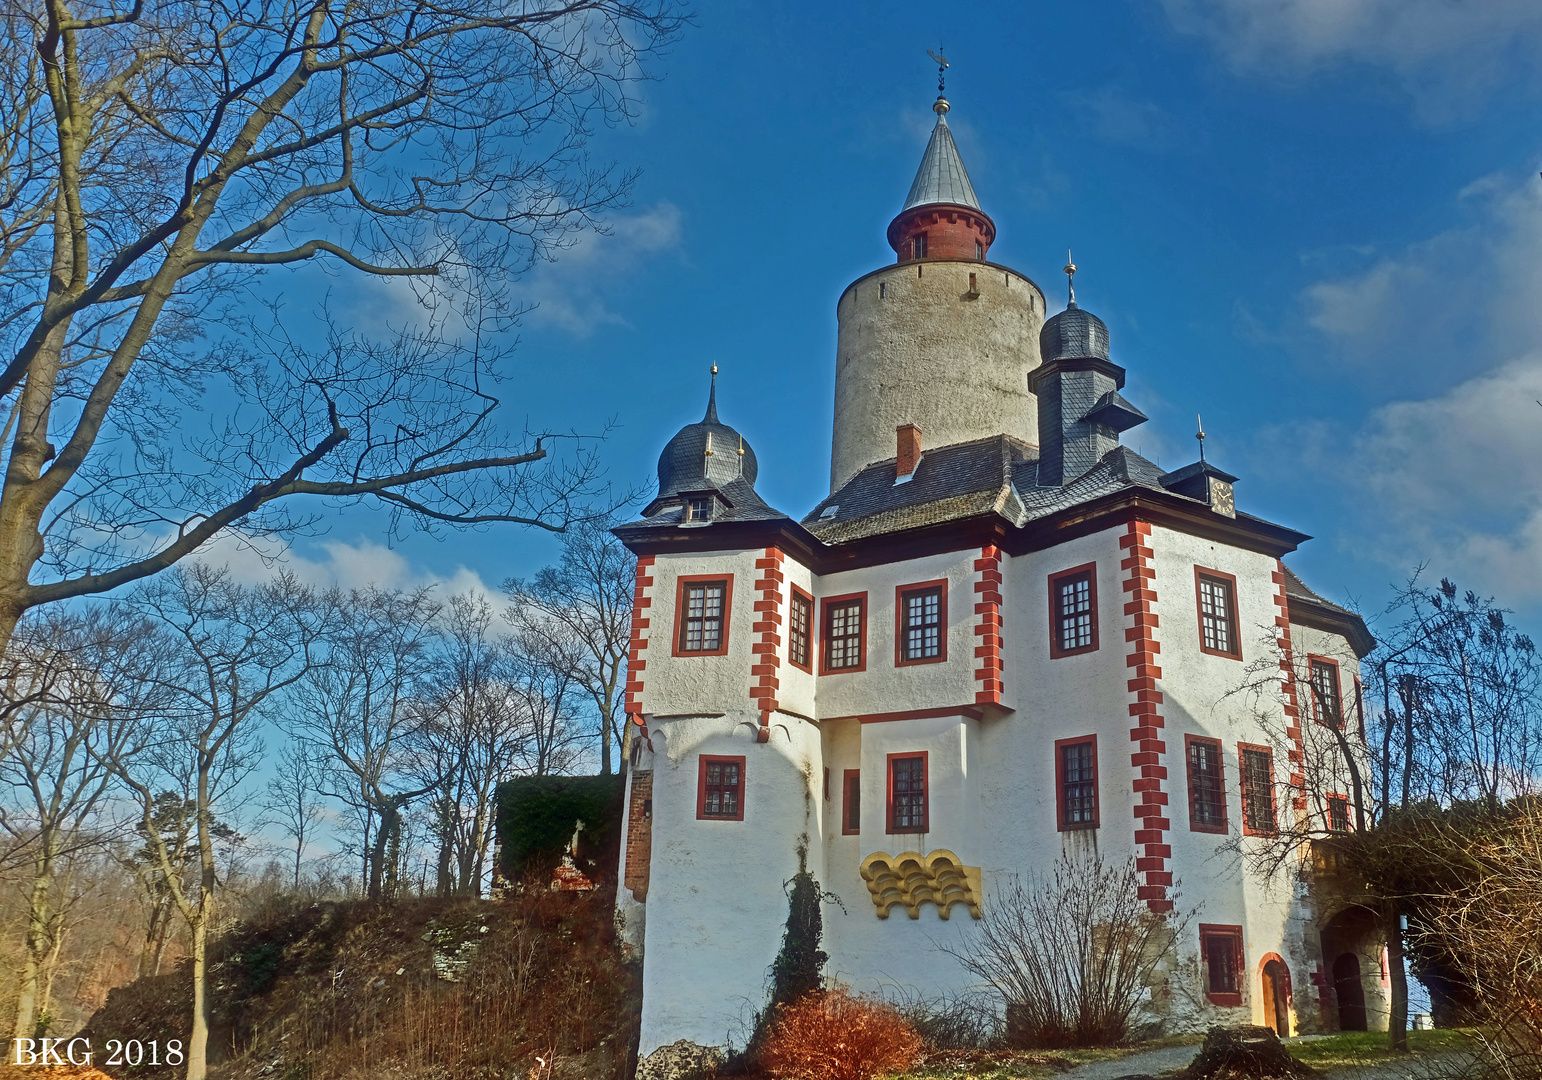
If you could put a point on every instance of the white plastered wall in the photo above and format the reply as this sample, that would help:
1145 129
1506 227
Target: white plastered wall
715 892
717 902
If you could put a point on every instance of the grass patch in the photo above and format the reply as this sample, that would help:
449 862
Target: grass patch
1027 1064
1365 1047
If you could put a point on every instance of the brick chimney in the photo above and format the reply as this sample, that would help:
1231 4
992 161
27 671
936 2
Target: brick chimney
908 449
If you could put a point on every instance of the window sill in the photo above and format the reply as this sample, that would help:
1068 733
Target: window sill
1225 1001
1061 654
923 660
1222 655
1222 828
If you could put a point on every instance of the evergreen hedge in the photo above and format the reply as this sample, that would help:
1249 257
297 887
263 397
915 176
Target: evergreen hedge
536 815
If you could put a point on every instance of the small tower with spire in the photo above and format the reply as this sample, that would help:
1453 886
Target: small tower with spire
941 218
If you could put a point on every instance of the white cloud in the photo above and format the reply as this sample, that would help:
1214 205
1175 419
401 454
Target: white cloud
1452 477
569 294
1467 296
349 566
1445 54
1456 480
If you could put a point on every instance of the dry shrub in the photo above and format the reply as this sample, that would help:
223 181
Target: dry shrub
833 1036
1491 928
1072 953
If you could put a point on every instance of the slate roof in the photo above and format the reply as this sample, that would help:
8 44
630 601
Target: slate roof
1294 586
941 178
743 504
995 475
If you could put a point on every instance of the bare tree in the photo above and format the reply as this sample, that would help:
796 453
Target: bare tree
475 732
155 158
238 650
1462 693
1073 953
589 594
361 707
87 682
544 660
293 796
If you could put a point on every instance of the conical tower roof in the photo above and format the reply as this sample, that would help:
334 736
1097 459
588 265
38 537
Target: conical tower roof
941 178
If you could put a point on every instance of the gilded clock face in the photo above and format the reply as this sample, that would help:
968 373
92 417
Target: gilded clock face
1222 501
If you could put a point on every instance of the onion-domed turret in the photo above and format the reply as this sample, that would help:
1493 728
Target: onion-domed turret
703 458
1081 411
1073 334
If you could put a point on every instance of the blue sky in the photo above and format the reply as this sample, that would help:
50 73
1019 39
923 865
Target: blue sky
1317 222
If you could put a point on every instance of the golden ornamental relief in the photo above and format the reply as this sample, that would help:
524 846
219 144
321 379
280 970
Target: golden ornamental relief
911 879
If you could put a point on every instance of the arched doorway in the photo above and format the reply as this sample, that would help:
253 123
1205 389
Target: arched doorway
1276 999
1349 991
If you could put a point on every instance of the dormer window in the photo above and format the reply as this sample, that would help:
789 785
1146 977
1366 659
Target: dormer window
698 509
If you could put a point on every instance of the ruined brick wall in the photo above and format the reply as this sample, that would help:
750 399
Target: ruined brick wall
639 834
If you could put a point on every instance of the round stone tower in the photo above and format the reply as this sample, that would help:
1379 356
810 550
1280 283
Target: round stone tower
942 339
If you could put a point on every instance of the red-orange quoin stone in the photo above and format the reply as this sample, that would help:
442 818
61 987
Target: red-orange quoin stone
635 664
766 661
951 232
1151 750
987 649
1297 751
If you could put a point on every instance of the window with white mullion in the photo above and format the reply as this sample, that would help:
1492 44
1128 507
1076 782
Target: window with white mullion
702 628
922 624
1075 612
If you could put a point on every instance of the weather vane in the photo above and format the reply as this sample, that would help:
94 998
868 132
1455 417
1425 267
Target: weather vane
1070 276
941 107
1199 434
942 65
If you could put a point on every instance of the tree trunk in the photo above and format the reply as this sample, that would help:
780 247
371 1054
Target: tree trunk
31 968
155 939
36 939
604 744
1397 1019
198 1043
376 858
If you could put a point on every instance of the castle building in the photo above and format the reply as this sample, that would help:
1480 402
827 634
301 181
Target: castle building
1003 638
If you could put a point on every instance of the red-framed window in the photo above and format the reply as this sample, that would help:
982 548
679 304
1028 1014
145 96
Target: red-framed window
800 630
1076 782
1073 611
921 623
1327 701
720 788
703 603
908 802
1255 769
1338 813
1216 596
851 802
1207 784
1221 961
843 634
